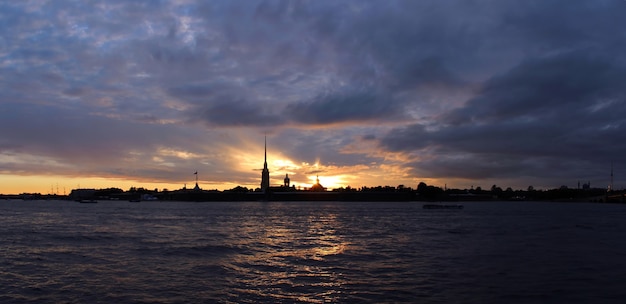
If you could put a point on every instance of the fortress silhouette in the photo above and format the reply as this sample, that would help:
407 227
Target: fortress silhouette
317 192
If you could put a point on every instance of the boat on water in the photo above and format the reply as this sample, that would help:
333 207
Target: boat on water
439 206
88 201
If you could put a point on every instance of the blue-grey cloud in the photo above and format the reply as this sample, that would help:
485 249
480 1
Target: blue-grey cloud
530 88
350 106
563 109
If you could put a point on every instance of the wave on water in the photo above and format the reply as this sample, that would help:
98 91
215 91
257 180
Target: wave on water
323 252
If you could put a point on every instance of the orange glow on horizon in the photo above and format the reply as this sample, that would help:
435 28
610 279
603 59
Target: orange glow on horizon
243 169
329 182
16 184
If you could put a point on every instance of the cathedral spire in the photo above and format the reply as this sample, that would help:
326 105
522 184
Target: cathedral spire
265 174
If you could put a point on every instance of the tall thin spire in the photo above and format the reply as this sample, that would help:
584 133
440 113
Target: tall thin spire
265 174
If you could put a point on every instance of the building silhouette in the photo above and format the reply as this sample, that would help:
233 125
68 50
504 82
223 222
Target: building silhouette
265 174
318 187
286 181
287 186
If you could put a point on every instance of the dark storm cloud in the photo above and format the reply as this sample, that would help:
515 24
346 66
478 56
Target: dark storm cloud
339 107
237 113
225 106
508 86
542 88
74 91
565 108
350 46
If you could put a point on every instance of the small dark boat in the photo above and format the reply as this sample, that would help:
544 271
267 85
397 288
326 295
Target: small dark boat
88 201
438 206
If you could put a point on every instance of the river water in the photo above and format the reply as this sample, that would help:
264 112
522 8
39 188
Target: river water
311 252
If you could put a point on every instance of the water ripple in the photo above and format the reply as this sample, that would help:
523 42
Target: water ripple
251 252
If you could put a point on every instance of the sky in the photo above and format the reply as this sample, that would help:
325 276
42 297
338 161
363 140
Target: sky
457 94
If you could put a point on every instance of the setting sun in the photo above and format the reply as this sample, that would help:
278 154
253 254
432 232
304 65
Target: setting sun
328 182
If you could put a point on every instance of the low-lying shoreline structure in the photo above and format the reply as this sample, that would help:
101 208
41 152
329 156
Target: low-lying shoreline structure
380 194
289 196
317 192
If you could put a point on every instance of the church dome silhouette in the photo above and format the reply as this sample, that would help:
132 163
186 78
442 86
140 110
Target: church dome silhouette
318 187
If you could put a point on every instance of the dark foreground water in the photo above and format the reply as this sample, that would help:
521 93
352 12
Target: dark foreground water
278 252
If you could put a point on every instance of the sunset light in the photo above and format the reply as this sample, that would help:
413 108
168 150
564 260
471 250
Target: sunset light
312 151
359 93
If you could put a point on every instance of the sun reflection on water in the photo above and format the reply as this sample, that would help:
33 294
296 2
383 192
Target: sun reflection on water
292 260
